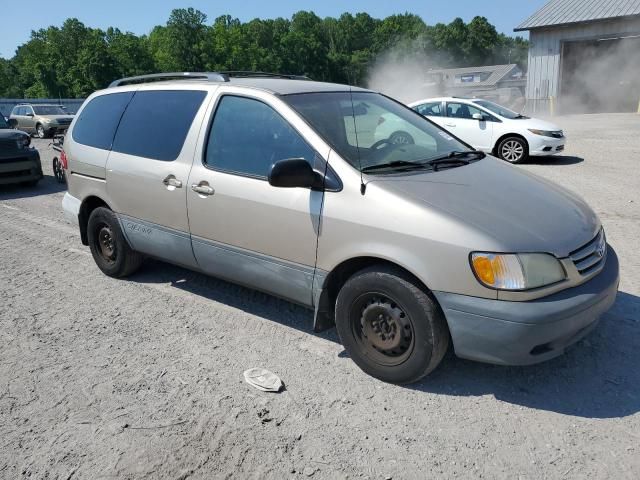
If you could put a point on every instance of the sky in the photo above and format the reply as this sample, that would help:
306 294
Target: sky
140 16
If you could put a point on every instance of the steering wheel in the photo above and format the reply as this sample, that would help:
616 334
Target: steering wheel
379 143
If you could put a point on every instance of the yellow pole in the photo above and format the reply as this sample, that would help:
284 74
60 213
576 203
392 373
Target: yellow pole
638 107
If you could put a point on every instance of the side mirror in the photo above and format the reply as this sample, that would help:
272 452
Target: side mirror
29 114
13 123
294 172
478 116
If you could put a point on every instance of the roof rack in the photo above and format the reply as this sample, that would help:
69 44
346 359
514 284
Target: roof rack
211 76
250 74
156 77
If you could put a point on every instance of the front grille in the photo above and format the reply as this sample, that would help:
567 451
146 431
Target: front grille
591 256
64 121
15 173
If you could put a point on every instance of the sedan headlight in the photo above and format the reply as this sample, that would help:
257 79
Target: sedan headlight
547 133
516 271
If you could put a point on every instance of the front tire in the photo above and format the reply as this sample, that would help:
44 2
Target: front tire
40 131
392 329
513 150
109 248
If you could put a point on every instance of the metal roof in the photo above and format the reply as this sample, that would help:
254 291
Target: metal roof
566 12
498 73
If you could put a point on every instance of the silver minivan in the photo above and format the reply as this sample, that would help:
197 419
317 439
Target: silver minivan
300 189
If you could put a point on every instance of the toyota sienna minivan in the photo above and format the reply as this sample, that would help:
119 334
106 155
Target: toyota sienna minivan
286 185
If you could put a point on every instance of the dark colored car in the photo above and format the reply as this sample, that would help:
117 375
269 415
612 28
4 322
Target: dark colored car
19 162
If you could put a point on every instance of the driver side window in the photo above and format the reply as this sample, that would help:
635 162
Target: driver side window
464 111
248 136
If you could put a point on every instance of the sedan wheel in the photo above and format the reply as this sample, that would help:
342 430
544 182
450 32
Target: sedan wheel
513 150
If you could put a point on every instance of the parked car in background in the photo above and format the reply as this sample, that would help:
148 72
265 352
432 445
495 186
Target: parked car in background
19 163
493 128
288 186
41 120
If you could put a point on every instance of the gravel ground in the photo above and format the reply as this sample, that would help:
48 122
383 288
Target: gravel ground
142 378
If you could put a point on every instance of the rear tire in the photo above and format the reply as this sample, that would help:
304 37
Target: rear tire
109 248
513 150
401 138
392 329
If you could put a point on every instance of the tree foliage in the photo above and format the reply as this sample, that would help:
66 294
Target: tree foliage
74 60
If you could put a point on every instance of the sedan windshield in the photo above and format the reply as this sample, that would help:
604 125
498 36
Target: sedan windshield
499 109
49 110
370 130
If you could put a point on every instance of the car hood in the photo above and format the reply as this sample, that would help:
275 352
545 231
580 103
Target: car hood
521 211
10 134
537 124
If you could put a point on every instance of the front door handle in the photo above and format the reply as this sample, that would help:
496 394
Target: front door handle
202 189
171 181
450 124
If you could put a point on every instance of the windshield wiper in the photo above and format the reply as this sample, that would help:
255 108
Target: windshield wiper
455 158
396 164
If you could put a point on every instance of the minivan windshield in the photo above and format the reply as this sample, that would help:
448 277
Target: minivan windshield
49 110
499 109
371 131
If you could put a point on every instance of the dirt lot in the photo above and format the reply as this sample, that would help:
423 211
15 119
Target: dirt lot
143 378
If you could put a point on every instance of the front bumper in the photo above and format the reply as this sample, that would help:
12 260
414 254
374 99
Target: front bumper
20 166
524 333
71 208
540 145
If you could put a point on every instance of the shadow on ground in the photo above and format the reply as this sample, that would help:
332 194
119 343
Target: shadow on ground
46 186
555 160
596 378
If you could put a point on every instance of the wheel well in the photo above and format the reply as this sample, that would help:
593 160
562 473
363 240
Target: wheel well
88 205
505 136
325 310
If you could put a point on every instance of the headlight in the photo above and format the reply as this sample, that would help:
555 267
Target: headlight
24 142
547 133
516 271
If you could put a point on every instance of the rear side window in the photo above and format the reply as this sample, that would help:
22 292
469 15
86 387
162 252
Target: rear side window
247 137
99 119
433 109
156 123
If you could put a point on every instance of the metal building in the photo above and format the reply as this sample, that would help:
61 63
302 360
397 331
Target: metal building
584 56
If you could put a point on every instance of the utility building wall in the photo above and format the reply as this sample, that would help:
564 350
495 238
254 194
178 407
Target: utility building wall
546 58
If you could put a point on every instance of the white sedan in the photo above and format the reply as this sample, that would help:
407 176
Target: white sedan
492 128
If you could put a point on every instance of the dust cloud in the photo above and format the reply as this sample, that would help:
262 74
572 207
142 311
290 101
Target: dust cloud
401 73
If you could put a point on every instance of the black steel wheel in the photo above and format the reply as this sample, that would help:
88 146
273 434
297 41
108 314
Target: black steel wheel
109 248
381 328
390 325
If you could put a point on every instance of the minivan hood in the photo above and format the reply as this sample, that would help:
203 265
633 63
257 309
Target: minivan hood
521 211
